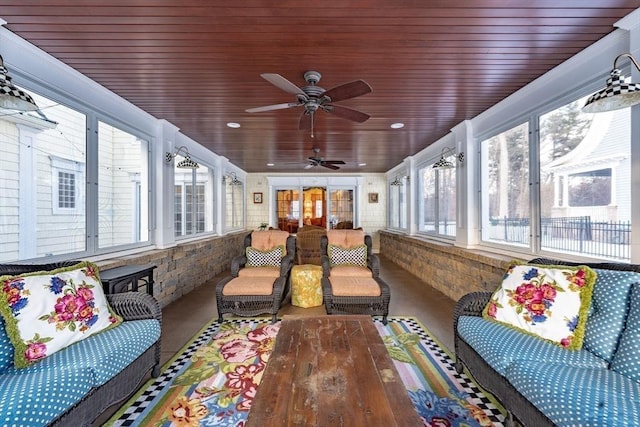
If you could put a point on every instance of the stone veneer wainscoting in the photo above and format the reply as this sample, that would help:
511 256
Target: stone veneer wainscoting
451 270
184 267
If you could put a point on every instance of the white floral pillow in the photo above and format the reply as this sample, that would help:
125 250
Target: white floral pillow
46 311
551 302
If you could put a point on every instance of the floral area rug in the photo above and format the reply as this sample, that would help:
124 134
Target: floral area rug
213 380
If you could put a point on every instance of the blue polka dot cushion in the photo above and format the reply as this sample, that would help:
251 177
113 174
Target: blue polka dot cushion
6 348
500 345
578 396
104 354
37 398
626 360
608 313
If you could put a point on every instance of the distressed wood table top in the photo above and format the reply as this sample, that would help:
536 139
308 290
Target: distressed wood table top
331 371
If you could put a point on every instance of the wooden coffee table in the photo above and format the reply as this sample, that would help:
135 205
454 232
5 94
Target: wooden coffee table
331 371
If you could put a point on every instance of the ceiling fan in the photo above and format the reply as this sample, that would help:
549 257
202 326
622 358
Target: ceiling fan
315 160
314 98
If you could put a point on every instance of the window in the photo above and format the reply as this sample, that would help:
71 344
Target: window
67 179
42 159
123 187
234 203
583 192
398 203
505 187
437 205
193 200
585 182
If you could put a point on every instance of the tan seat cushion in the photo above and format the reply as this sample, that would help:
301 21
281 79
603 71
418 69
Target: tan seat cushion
269 239
265 271
249 286
349 271
345 238
354 287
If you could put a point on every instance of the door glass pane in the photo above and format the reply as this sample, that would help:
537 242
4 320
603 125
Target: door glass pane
314 206
288 209
341 208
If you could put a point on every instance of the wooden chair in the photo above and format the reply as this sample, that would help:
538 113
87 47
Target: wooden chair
259 278
308 249
351 282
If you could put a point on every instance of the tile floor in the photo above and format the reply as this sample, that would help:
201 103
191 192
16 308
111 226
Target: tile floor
409 297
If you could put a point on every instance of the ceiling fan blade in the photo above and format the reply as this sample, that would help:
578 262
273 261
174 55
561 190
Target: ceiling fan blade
329 166
310 165
305 121
348 90
278 81
273 107
335 162
346 113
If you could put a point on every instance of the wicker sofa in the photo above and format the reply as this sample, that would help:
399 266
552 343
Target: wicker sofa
75 385
542 384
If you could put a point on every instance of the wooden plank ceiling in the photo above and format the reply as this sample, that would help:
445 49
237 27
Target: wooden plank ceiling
197 63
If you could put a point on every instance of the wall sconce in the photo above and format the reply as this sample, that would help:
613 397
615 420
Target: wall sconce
617 94
444 163
187 163
11 97
398 181
232 178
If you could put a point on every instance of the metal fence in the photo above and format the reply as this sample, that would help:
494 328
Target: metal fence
580 235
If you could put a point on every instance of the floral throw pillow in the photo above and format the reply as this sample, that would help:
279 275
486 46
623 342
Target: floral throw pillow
551 302
356 255
258 258
45 312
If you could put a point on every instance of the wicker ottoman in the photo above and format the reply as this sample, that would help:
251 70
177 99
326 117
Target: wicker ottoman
306 286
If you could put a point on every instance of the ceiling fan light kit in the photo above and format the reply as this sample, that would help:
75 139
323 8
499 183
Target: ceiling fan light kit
314 98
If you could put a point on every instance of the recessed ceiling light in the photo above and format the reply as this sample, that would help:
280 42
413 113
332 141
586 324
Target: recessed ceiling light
270 164
397 125
362 164
233 125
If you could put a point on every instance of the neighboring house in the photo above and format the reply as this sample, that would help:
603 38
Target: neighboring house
594 178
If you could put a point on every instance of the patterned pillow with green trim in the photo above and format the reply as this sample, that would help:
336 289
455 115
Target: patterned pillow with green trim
45 312
356 255
258 258
551 302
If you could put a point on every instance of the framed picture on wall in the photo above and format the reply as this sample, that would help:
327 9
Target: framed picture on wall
373 197
257 197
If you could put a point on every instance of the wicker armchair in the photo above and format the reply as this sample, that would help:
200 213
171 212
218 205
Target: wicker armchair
348 288
257 289
308 249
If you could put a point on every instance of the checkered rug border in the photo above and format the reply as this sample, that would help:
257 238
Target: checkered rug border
477 396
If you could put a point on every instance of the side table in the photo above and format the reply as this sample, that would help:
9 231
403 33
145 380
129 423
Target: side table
306 285
125 278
